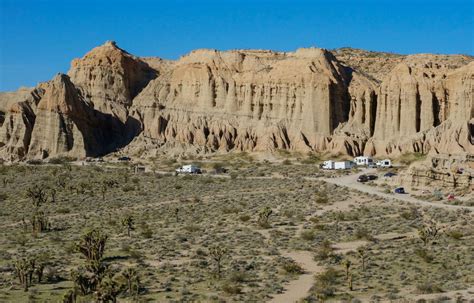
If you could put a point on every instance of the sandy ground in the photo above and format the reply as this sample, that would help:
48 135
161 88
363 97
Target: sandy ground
297 289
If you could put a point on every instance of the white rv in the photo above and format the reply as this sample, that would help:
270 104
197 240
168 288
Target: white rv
189 169
343 165
362 160
384 163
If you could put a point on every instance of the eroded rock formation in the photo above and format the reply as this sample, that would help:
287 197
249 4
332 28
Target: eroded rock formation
348 102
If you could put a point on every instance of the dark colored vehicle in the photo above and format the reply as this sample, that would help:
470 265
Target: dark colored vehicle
363 178
389 175
124 158
399 190
372 177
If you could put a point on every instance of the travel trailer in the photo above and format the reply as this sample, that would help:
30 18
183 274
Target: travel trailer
384 163
337 164
343 165
328 164
189 169
362 160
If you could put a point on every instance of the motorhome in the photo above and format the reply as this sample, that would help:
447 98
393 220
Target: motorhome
362 160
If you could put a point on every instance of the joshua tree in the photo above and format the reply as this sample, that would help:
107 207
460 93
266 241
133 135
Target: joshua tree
176 213
24 269
53 192
39 222
105 185
362 253
39 272
350 282
264 216
347 264
128 223
70 296
108 290
92 245
217 254
133 281
37 194
429 232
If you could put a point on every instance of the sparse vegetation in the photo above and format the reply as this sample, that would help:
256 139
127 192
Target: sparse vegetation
198 238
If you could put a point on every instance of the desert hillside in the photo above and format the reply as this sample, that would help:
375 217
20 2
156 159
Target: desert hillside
344 101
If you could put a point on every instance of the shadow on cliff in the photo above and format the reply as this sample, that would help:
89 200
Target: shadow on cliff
105 133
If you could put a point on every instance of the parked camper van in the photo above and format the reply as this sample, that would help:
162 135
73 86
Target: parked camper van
188 169
362 160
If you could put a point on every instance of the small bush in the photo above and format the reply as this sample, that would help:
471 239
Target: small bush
324 251
291 267
325 283
308 235
127 188
423 253
244 218
455 234
231 288
428 287
238 276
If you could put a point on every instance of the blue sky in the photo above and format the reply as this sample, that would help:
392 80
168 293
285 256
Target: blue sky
40 38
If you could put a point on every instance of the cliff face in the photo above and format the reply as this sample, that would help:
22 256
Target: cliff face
110 78
424 106
249 100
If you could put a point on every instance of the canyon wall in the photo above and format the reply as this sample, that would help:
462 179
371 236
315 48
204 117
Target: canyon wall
340 102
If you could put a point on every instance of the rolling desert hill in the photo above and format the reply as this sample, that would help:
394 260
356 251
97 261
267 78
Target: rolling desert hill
344 101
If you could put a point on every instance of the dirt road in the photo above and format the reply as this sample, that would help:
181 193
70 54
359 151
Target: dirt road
351 182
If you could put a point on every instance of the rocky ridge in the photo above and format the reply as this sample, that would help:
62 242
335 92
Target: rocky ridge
343 102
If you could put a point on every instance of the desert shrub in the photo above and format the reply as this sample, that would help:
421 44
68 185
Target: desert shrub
308 235
238 276
230 210
291 267
61 160
127 188
322 198
325 283
408 158
286 162
363 233
410 214
455 234
231 288
424 254
244 218
63 210
428 287
324 251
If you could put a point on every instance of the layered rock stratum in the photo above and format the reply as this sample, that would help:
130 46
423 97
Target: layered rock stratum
344 101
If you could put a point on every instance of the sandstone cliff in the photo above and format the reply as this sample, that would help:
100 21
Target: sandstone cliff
346 101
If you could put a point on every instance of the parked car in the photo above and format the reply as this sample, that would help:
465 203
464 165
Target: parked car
399 190
389 175
363 178
372 177
124 158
